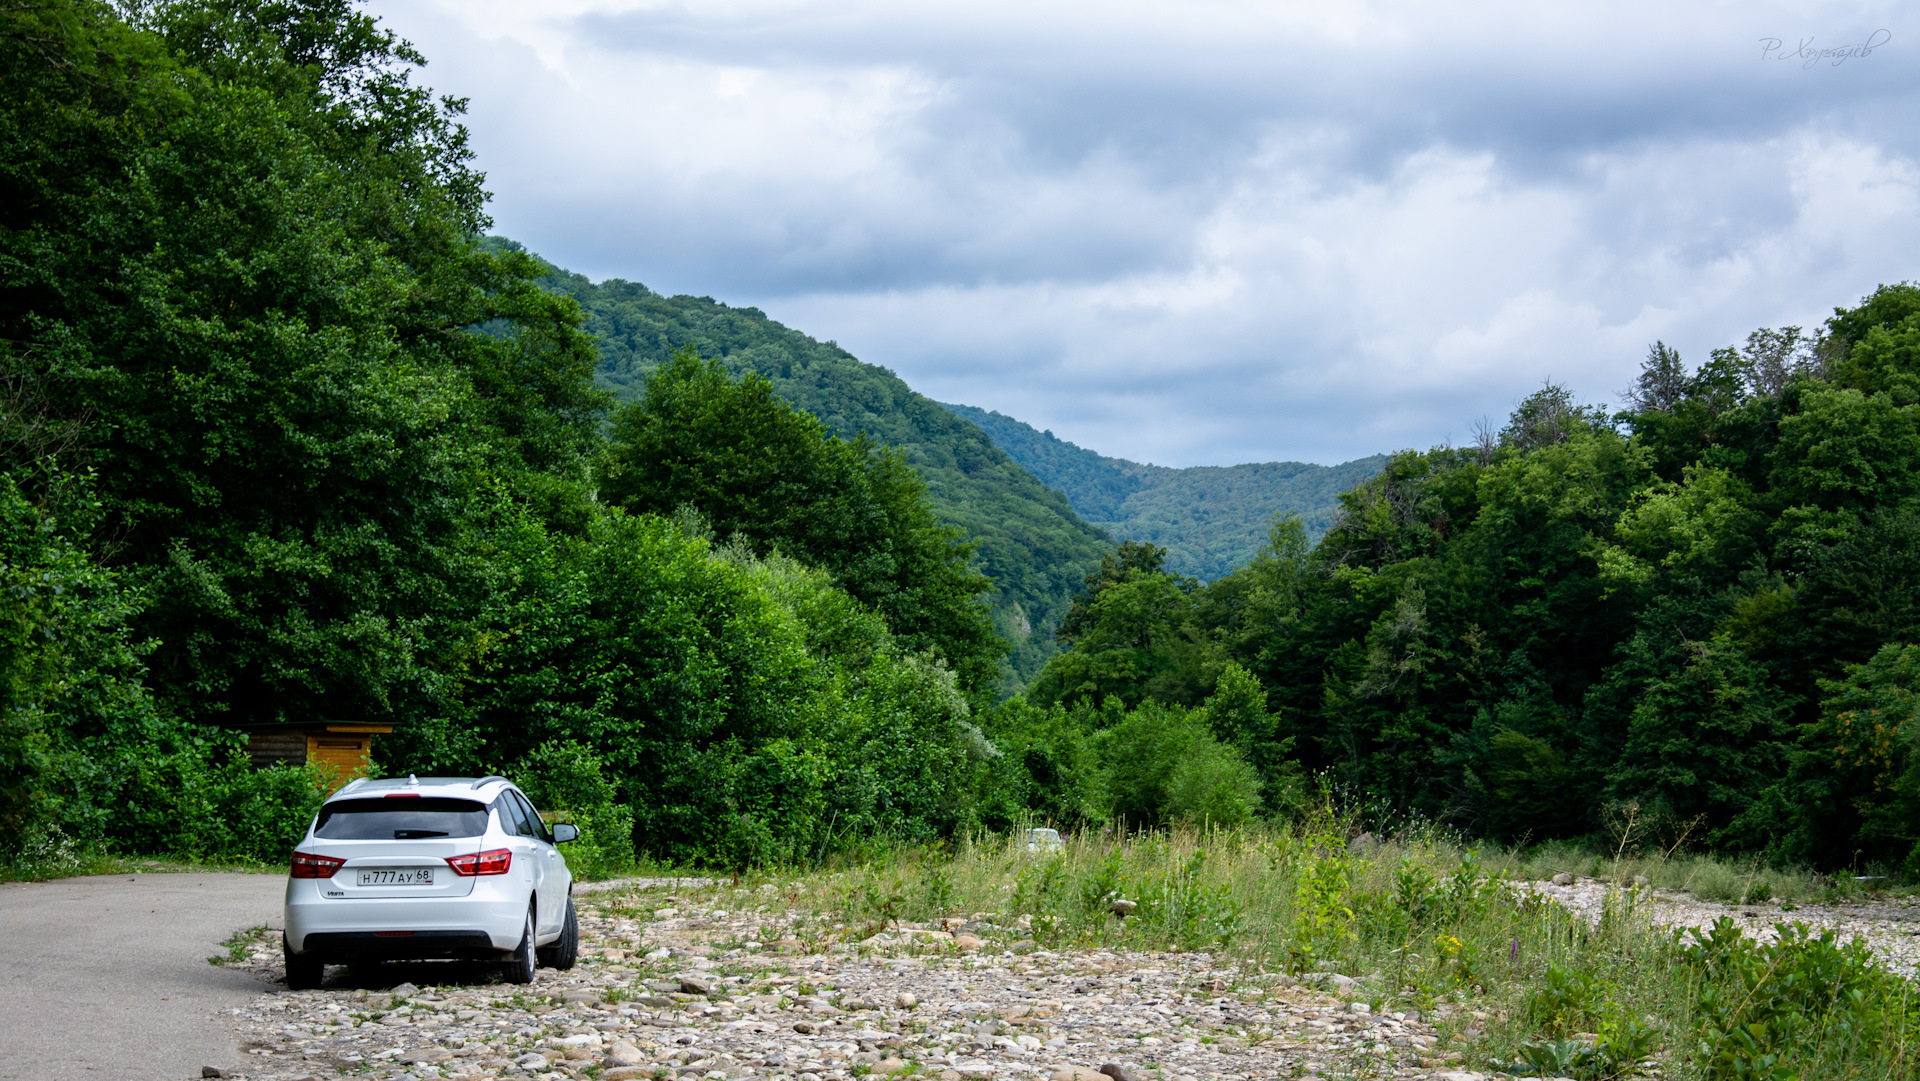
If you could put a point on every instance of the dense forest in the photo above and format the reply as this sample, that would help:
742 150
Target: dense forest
1698 613
1210 519
286 438
1028 540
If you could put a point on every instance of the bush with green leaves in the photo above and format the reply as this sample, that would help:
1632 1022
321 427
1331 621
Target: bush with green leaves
567 779
1803 1004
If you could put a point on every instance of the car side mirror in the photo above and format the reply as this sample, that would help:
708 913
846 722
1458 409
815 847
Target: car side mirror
564 832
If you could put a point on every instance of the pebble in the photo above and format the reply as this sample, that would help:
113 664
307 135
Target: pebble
967 998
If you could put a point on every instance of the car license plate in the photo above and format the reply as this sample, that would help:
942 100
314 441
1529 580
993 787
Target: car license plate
396 876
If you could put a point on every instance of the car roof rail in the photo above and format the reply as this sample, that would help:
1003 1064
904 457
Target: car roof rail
351 785
490 777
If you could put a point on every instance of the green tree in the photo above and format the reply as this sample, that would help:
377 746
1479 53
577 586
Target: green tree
1141 643
1705 739
239 242
753 466
1852 795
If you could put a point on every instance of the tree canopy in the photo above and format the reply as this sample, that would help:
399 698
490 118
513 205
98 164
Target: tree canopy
1693 607
750 465
287 440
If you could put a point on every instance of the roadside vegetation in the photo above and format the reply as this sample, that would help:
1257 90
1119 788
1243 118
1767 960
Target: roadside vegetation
1420 921
1415 923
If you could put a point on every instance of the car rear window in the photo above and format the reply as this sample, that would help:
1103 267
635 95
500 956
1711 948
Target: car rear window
400 818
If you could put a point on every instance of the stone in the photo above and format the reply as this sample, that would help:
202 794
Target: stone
967 942
405 989
1118 1072
211 1071
889 1066
1078 1073
695 985
1330 979
431 1054
627 1073
1359 1007
804 1028
579 995
1563 879
531 1060
906 1000
1123 907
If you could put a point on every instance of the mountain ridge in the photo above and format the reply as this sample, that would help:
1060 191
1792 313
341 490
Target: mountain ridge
1029 538
1209 518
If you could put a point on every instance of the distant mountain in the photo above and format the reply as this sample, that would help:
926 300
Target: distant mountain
1031 541
1210 519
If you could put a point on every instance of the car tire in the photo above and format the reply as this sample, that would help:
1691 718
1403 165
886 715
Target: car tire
305 971
565 949
518 967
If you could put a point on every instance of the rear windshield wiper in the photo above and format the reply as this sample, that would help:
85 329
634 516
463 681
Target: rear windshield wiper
408 835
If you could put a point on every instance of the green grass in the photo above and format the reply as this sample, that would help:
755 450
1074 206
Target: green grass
1422 922
238 944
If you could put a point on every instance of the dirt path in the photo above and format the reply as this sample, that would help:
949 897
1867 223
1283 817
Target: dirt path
106 978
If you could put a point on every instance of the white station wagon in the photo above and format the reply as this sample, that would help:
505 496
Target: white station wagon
430 867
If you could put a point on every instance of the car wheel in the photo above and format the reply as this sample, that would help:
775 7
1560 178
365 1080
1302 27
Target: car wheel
304 970
566 949
519 964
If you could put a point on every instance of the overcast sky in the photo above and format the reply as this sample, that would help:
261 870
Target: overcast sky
1205 233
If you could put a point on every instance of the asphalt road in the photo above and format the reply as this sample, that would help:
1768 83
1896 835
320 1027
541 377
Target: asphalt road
106 978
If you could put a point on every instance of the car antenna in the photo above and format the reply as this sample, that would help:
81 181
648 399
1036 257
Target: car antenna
412 780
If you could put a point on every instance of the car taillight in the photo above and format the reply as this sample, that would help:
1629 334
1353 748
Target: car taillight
308 865
495 862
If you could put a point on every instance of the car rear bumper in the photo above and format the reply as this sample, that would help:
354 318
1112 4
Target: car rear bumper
392 945
480 923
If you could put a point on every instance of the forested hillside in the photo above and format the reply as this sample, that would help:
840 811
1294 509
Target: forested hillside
1030 541
282 441
1700 616
1210 519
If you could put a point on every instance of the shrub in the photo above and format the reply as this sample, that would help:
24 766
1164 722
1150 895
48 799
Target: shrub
1212 786
568 779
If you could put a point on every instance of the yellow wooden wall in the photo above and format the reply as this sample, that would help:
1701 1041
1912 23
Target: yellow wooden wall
344 751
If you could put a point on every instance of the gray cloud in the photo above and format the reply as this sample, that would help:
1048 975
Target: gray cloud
1198 234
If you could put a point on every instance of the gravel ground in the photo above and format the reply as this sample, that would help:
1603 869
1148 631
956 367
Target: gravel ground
681 980
1891 927
676 988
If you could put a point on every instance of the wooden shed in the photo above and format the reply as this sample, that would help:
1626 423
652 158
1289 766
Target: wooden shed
347 746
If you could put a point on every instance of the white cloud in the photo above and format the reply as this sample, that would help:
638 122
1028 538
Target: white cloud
1205 233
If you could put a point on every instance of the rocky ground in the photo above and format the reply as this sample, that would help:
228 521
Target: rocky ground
1891 927
695 981
690 981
